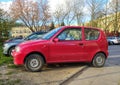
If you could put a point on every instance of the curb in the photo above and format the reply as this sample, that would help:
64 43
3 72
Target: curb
76 74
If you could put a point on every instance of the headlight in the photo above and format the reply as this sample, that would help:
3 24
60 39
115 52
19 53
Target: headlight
5 45
17 49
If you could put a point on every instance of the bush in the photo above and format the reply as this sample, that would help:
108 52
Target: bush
4 59
2 40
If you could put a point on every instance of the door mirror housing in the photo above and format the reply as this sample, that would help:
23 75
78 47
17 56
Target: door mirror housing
56 40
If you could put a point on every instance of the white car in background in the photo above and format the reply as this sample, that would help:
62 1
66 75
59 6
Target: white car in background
113 40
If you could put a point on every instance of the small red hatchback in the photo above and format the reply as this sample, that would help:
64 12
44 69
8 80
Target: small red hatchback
63 45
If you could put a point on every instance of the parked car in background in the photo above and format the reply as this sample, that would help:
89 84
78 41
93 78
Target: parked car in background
63 45
10 45
12 39
113 40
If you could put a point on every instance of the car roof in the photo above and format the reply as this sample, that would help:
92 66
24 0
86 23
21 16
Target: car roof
39 32
81 27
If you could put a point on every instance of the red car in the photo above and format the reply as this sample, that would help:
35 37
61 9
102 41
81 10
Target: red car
63 45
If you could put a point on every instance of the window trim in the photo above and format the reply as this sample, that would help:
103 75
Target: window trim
94 30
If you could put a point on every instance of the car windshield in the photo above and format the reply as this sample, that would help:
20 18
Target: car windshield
50 34
34 36
31 37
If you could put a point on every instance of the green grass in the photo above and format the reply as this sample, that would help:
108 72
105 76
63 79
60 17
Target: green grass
10 73
3 58
12 66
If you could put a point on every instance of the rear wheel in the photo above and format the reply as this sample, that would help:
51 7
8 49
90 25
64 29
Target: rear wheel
34 62
99 60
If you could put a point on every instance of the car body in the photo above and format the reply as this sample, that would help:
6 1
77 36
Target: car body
13 39
63 45
10 45
113 40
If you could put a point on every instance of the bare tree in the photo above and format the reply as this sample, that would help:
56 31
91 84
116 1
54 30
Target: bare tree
95 7
103 17
44 12
32 13
6 23
69 12
115 9
60 13
78 7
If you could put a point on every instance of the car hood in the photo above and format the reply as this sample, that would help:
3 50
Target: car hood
15 42
21 40
32 42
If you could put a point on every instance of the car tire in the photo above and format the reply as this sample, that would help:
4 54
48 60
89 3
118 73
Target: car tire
99 60
111 43
34 62
10 51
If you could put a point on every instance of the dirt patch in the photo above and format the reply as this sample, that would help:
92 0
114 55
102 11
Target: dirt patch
50 75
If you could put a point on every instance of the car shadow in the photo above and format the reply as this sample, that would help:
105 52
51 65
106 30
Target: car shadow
61 66
51 67
110 62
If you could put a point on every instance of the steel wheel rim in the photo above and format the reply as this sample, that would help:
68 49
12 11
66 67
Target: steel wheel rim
99 60
34 63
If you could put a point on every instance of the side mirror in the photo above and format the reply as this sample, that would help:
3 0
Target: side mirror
56 40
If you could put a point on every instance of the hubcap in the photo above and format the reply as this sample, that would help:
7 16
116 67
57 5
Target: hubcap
34 63
99 60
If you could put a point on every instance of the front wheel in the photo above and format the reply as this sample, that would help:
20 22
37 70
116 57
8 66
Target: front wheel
111 43
99 60
10 51
34 62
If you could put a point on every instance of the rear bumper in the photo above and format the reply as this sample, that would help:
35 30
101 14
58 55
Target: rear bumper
107 54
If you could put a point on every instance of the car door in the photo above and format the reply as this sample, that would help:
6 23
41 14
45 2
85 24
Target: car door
69 46
90 43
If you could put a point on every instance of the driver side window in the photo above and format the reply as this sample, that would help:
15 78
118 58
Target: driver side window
70 34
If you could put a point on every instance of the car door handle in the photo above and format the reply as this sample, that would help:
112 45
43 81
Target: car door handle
80 44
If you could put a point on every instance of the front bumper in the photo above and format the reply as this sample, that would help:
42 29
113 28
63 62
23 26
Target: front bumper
18 57
5 50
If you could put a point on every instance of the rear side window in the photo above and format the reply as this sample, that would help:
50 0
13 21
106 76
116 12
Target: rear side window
91 34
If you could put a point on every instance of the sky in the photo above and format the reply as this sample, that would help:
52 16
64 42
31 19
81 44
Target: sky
5 4
54 3
5 0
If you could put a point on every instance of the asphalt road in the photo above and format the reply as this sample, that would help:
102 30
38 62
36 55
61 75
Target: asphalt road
114 55
114 50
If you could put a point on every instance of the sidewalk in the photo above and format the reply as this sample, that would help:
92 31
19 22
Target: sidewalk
108 75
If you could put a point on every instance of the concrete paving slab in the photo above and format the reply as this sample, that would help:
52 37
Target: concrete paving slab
98 76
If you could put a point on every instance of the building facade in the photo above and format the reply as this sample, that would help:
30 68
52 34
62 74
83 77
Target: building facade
109 23
20 31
